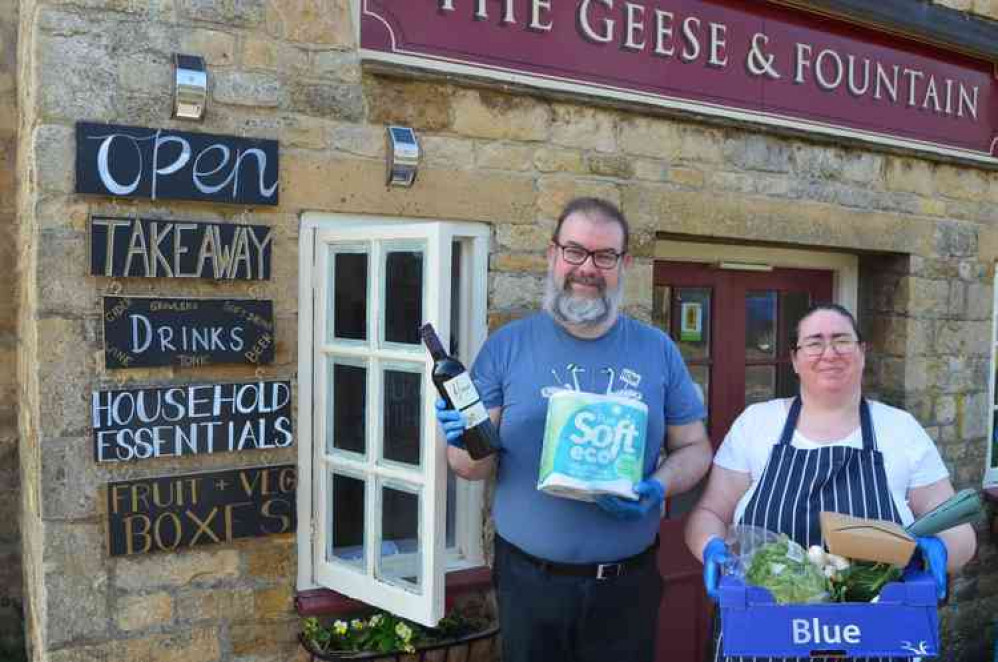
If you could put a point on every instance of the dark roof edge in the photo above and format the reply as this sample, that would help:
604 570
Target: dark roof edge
949 28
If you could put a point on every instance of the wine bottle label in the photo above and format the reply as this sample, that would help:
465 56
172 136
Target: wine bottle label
474 415
462 391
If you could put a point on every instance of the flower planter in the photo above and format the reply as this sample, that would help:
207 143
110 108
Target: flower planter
462 649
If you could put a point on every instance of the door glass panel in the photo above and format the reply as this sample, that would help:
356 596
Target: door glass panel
793 305
403 296
456 302
760 383
349 294
760 325
346 542
701 378
347 409
451 510
787 384
994 444
692 316
402 415
399 561
661 307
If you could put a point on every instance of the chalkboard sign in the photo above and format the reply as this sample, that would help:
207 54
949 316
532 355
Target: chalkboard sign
162 164
151 248
139 424
140 332
178 512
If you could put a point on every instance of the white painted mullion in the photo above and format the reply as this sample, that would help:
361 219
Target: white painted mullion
375 405
310 532
991 470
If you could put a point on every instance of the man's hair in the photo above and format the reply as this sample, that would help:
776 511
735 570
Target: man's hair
596 209
835 308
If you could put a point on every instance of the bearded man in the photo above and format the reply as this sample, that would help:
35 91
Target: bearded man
577 581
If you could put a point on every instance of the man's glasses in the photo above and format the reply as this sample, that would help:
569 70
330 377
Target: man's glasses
815 347
605 258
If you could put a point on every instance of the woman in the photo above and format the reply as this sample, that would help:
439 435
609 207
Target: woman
785 460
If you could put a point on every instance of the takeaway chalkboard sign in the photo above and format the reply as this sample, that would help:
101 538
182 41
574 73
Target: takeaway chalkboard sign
140 424
153 248
162 164
141 332
177 512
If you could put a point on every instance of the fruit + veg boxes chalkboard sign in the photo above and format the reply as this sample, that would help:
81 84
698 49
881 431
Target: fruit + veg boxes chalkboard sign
154 248
173 421
141 332
177 512
162 164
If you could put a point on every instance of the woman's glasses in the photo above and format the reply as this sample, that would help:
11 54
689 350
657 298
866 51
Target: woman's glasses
605 259
815 347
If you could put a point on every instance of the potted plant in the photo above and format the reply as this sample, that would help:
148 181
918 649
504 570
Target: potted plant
383 636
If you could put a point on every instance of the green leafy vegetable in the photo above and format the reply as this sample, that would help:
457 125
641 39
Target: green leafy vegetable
783 568
862 581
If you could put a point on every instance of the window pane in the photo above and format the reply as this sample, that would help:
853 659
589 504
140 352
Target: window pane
692 314
349 293
760 325
661 307
451 510
455 301
994 444
347 526
793 305
701 378
399 561
403 296
760 383
787 384
402 415
347 410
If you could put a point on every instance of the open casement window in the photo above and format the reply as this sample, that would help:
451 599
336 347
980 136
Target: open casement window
387 518
991 471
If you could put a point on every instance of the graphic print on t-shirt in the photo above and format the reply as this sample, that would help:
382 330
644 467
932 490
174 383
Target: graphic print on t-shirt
606 380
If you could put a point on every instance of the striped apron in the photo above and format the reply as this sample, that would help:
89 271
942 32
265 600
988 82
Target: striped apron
798 484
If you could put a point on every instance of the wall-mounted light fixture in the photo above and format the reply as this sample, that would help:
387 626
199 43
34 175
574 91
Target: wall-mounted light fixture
190 87
402 156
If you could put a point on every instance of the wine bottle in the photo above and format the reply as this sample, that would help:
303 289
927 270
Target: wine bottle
456 388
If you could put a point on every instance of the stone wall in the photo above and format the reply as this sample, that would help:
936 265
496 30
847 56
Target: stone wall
11 618
290 71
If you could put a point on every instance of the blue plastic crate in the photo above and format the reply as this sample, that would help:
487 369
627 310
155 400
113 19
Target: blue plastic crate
904 622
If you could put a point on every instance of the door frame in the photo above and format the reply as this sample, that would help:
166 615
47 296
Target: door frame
844 266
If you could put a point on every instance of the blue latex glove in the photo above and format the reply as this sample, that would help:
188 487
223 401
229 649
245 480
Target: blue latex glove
651 494
715 556
452 423
934 557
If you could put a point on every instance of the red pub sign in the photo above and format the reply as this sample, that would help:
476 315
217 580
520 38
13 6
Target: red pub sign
746 61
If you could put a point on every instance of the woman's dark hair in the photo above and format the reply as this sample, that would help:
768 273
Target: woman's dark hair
594 208
835 308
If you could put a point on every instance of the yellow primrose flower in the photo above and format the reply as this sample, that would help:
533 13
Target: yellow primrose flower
403 631
357 624
375 620
408 648
340 627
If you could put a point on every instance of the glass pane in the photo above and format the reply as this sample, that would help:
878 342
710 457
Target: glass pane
661 307
400 553
701 378
793 305
994 444
760 325
403 296
346 538
347 409
787 384
456 302
402 415
349 293
692 310
760 383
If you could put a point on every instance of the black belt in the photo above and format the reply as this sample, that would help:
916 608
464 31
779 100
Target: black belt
595 570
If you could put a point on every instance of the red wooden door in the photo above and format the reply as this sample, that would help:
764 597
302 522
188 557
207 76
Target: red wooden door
735 330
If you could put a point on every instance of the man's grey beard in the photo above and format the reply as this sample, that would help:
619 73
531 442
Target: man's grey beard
583 311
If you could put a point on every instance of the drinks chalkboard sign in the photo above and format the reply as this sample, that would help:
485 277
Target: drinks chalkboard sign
141 332
196 419
171 513
154 248
162 164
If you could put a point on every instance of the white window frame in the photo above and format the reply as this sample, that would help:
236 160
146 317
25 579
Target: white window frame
991 468
317 231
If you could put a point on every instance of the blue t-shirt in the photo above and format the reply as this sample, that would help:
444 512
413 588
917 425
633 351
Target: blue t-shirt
518 369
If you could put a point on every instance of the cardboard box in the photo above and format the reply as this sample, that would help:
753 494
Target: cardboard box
866 539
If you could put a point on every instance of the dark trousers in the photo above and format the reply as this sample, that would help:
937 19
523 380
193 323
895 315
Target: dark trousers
551 617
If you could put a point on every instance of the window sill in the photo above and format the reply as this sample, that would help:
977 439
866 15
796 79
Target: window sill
322 601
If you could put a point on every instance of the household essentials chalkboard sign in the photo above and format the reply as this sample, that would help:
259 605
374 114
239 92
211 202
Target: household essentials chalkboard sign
204 419
141 332
154 248
170 513
162 164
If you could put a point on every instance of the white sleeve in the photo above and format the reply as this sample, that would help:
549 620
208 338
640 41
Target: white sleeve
927 465
733 453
